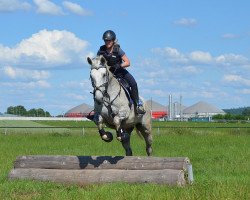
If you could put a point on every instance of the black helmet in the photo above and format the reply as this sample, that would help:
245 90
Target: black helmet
109 35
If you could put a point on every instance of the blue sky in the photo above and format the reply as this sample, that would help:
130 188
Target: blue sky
197 49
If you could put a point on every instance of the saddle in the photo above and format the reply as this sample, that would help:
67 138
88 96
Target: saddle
127 89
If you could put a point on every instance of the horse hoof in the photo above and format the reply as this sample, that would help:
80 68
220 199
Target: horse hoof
107 137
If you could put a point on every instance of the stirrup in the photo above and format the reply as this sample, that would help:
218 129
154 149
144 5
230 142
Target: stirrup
140 110
90 117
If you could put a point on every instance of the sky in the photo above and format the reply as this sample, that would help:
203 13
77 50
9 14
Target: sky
199 50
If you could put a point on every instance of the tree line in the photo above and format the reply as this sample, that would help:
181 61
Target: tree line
234 114
21 111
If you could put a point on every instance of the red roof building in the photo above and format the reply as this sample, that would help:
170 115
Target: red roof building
157 110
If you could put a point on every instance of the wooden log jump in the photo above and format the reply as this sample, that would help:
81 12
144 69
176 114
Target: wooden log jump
85 170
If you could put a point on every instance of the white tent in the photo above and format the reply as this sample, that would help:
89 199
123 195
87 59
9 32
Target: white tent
80 110
201 109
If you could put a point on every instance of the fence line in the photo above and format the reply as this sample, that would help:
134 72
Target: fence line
70 129
46 118
158 127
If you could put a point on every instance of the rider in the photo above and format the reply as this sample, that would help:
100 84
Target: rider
118 61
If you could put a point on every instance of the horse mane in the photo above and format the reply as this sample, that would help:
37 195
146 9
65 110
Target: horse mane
99 57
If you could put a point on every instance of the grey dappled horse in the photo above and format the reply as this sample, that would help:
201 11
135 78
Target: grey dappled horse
112 108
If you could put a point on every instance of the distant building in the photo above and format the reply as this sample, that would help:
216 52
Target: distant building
158 111
79 111
201 111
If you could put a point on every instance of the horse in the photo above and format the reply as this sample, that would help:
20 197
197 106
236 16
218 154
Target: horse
113 108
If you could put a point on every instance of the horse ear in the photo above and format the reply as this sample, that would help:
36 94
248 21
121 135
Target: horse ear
103 60
89 61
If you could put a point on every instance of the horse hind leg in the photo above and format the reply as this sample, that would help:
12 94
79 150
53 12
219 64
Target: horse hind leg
147 135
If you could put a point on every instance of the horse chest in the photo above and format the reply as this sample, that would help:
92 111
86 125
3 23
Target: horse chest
108 113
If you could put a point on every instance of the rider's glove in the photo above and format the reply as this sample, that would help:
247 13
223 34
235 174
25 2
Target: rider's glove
117 66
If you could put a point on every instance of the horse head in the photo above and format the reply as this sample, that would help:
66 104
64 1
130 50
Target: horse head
99 75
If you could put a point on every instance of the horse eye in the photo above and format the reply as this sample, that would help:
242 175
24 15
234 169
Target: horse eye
104 75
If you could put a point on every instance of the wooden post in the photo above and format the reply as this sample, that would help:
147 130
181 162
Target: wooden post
85 177
101 162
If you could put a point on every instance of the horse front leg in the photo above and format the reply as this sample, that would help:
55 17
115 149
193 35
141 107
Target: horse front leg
106 136
117 122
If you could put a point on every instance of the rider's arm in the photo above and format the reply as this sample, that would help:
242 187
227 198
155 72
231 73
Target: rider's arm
126 62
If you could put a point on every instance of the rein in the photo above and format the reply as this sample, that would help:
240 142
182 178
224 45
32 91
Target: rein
106 97
105 84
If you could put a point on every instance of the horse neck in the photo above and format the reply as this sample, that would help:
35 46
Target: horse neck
113 86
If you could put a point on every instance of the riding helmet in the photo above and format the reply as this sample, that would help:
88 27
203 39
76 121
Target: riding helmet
109 35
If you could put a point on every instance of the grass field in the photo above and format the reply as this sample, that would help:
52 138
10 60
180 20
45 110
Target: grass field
220 158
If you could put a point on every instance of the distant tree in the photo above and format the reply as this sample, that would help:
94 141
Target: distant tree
239 117
32 112
17 110
228 116
246 111
10 110
218 116
40 112
47 114
20 110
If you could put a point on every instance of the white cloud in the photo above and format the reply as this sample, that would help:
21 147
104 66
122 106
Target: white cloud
159 93
171 53
18 73
176 56
229 36
48 7
188 22
190 70
12 5
231 59
201 57
206 94
76 85
75 96
46 49
26 85
245 91
156 73
196 74
231 78
75 8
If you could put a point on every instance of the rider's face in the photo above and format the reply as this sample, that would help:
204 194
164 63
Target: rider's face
109 43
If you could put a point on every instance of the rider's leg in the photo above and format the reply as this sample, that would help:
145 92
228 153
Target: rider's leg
134 92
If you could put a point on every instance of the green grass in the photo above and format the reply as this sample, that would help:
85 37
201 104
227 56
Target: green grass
220 159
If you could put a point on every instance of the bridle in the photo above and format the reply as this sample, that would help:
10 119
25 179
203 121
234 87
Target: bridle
105 84
106 97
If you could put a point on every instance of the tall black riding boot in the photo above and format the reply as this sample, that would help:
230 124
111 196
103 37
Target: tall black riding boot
138 103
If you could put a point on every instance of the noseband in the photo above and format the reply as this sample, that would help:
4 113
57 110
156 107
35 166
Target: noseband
105 84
